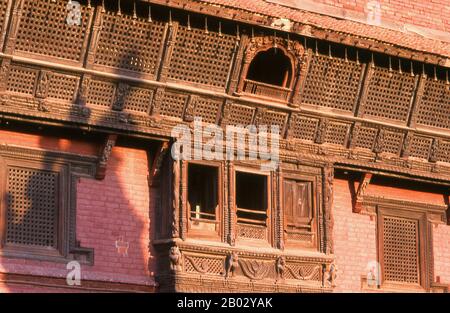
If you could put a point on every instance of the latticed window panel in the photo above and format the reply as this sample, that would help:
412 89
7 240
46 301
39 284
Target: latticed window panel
240 115
63 87
22 80
420 147
207 109
389 95
401 250
365 137
392 142
173 104
305 128
128 43
201 57
332 83
272 118
336 133
138 99
44 30
435 109
251 231
101 93
32 207
197 264
443 153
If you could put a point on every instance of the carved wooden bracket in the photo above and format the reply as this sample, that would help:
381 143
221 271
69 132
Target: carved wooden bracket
363 184
157 163
110 142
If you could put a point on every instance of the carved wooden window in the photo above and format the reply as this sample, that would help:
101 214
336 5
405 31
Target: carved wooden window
203 197
269 75
37 204
252 205
129 43
34 207
44 30
402 248
434 109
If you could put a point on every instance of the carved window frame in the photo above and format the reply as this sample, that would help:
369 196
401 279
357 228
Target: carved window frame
69 169
424 244
219 220
270 231
316 195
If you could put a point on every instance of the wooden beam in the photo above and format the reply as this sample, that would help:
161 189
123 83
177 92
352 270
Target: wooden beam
105 153
155 171
363 184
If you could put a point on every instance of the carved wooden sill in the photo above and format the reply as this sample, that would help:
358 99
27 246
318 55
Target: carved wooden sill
266 91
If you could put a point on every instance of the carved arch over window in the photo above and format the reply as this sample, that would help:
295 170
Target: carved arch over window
271 68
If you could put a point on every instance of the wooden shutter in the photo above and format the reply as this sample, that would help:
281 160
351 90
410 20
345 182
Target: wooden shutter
297 202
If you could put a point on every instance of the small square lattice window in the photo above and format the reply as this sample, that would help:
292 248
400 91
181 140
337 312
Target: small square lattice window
138 99
173 104
420 147
32 207
22 80
201 57
44 30
400 250
365 137
337 133
305 128
332 83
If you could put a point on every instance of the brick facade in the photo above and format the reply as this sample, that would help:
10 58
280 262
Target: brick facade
114 210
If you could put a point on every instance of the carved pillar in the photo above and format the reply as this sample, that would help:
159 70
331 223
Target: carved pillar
321 131
225 203
328 177
175 198
172 29
419 90
14 26
247 60
120 96
406 147
361 86
189 112
4 73
42 84
231 238
278 209
238 54
157 101
95 35
435 150
5 23
354 135
303 69
184 206
379 143
364 91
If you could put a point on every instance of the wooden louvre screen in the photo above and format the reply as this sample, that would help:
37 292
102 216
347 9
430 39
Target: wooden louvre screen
32 207
202 58
44 30
400 250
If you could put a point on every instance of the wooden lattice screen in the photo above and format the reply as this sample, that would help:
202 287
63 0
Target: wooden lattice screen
400 250
202 58
44 30
332 83
129 43
435 109
389 95
32 207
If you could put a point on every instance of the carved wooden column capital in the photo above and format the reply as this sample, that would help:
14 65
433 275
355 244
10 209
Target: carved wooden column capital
110 142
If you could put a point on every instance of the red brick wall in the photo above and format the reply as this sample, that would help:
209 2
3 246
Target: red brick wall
441 246
433 14
354 240
115 208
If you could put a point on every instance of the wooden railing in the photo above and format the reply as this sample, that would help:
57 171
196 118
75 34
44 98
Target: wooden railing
266 90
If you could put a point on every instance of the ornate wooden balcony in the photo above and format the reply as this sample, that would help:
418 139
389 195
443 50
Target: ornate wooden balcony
266 91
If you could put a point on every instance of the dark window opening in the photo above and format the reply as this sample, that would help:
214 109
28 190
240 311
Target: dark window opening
271 67
251 198
202 191
297 204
